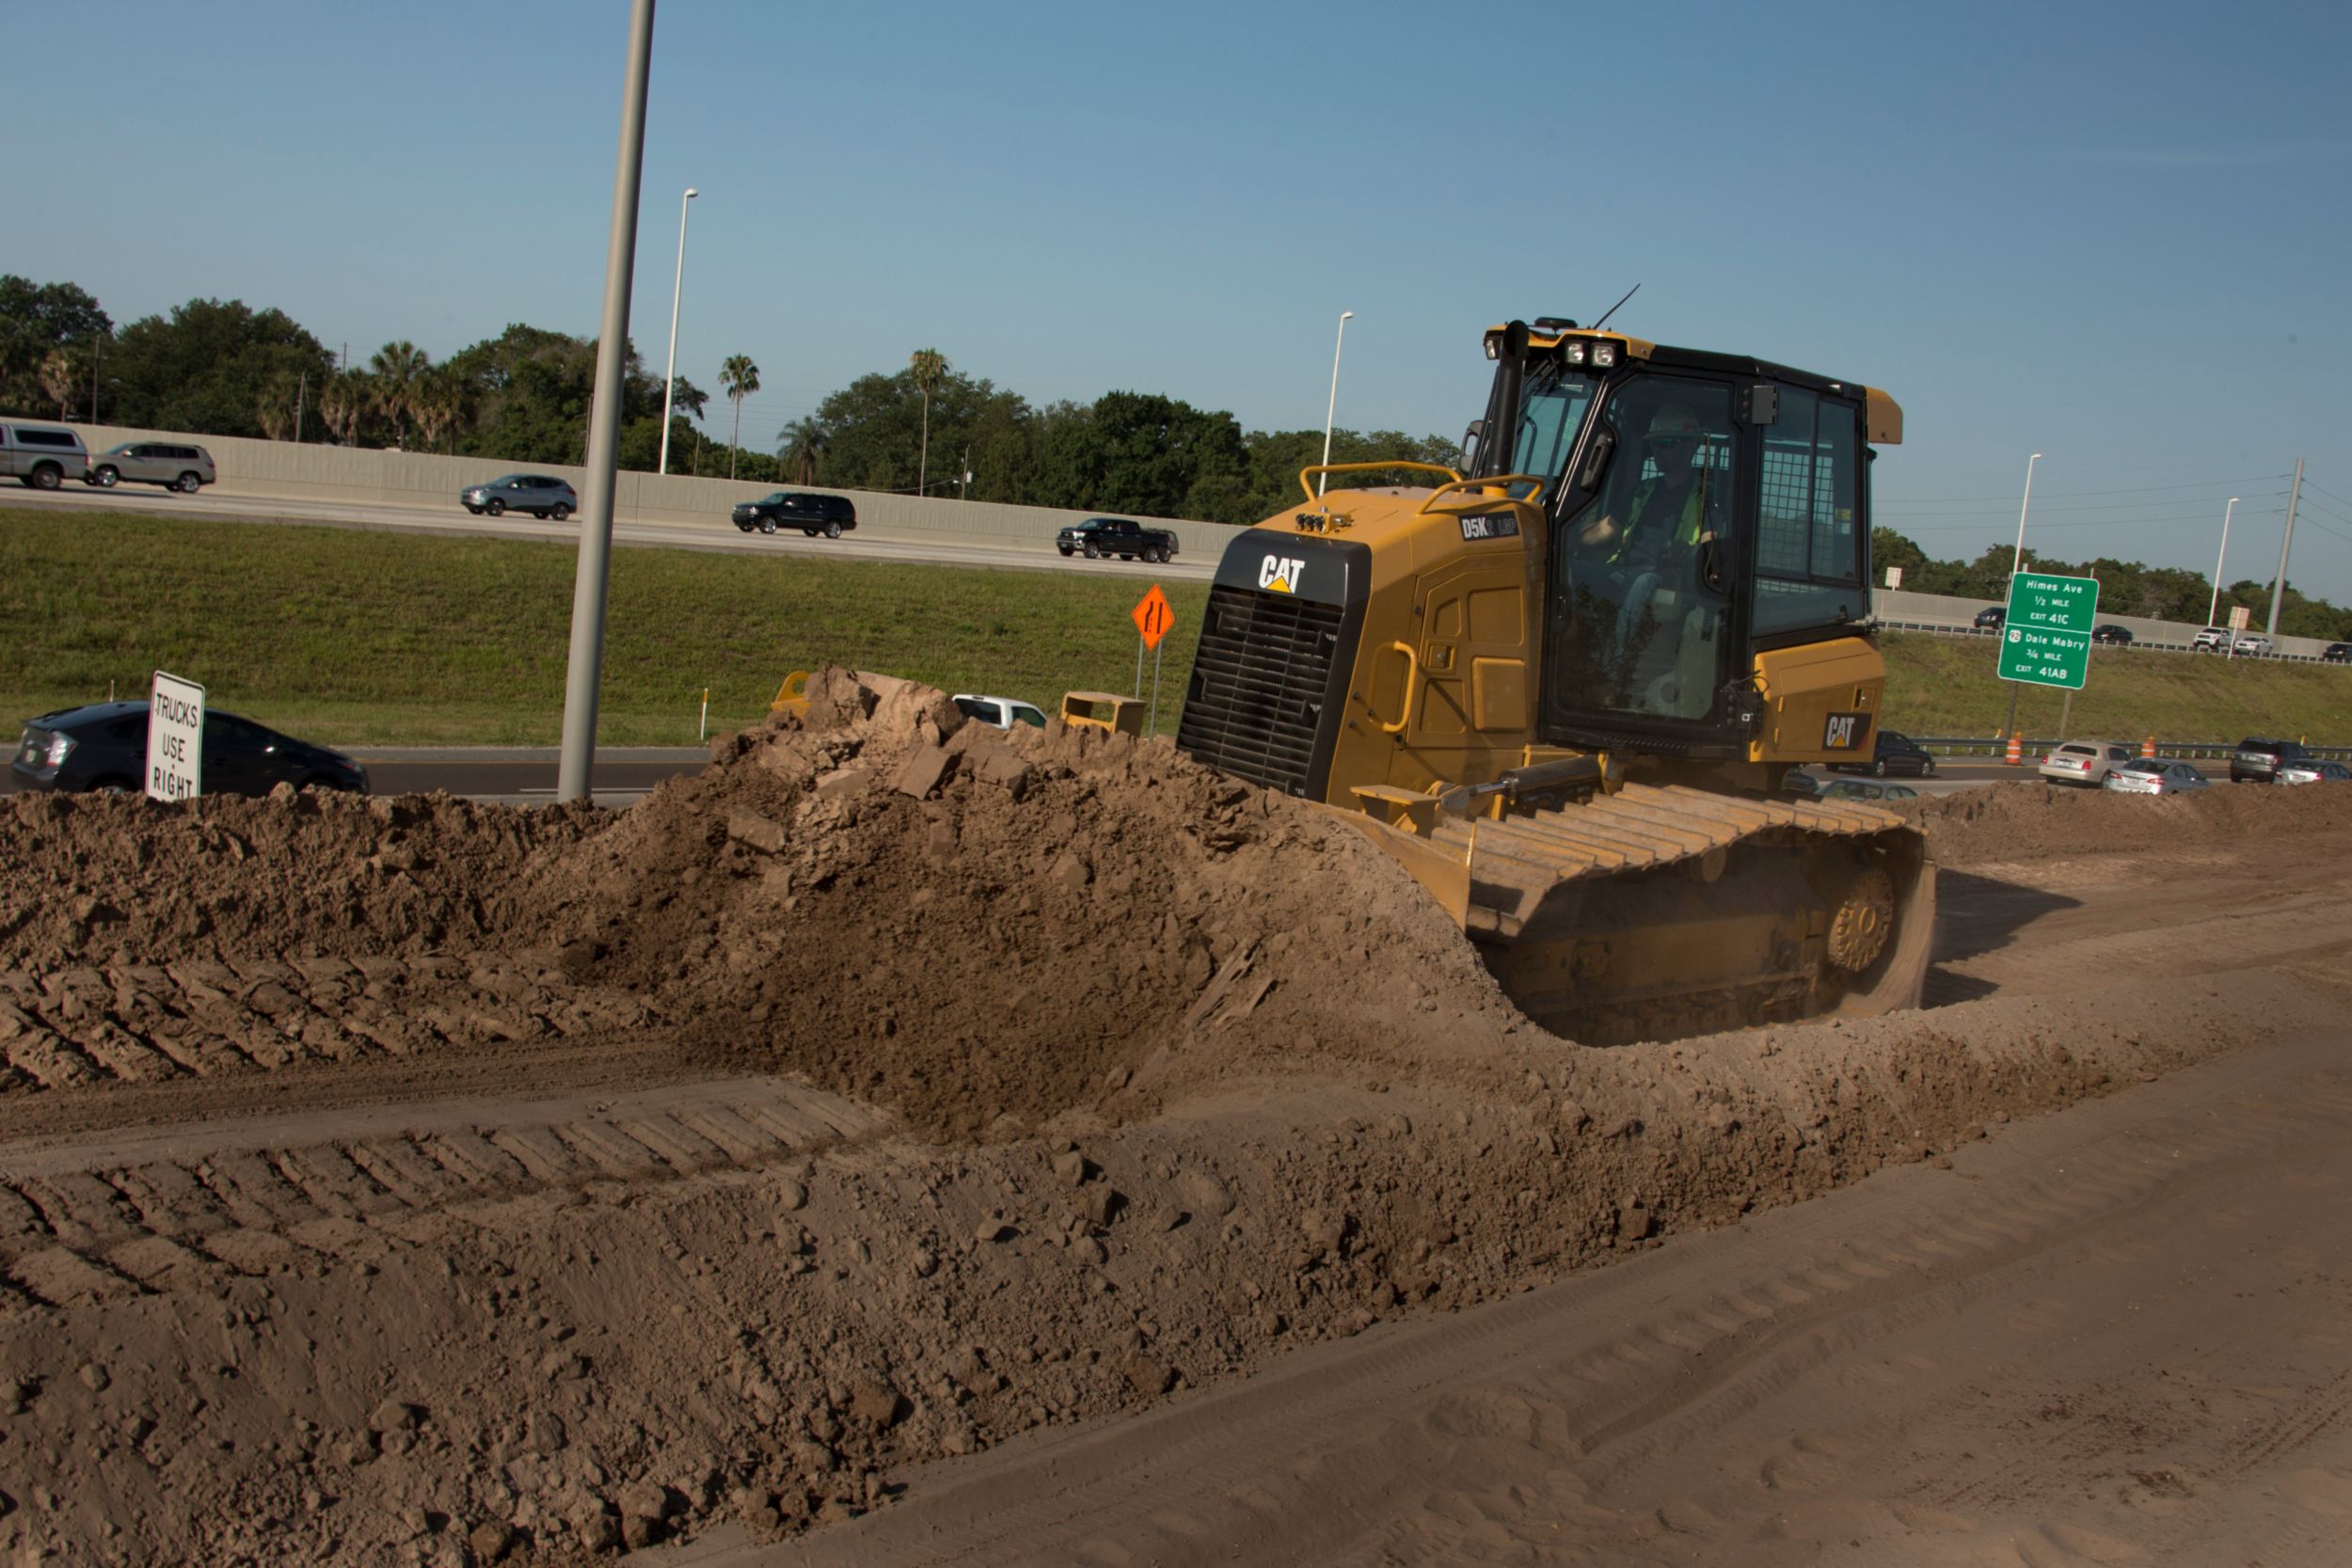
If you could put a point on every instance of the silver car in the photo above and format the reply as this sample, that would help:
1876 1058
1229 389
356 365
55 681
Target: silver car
173 465
541 495
2084 762
2312 770
2156 776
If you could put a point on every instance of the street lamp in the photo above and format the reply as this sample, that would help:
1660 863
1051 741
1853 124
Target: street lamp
2213 606
1332 407
2017 562
669 378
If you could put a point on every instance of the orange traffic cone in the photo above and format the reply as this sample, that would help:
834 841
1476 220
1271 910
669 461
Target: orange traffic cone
2148 747
2016 749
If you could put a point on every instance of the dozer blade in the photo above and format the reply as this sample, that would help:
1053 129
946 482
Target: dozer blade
1662 911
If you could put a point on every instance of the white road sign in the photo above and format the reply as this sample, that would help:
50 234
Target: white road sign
175 740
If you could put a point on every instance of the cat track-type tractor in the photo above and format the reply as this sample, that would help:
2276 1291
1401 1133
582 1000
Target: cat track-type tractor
1564 685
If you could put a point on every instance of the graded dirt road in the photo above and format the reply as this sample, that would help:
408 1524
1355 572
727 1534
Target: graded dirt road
775 1170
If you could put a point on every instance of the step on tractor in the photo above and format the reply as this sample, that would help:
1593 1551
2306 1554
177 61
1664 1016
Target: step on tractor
1564 682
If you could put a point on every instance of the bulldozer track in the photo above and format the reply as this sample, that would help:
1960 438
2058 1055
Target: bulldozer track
105 1216
73 1027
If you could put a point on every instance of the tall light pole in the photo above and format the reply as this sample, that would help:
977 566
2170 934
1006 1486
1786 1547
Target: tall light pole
1333 406
669 378
585 669
2213 606
2017 562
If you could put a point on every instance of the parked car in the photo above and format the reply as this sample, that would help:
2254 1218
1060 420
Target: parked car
171 464
1891 752
1800 783
813 514
40 456
2213 639
1001 712
541 495
2084 762
2156 776
2252 645
1121 536
1867 790
2313 770
2337 652
2112 633
103 747
1992 620
2258 761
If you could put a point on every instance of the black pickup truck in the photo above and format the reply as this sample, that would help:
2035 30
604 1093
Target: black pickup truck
1121 536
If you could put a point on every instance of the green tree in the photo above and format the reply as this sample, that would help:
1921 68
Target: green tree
343 401
800 445
204 367
37 319
398 367
530 391
739 378
1133 451
59 376
928 367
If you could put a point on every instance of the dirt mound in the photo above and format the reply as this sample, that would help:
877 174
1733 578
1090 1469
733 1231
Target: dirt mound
418 1182
2027 820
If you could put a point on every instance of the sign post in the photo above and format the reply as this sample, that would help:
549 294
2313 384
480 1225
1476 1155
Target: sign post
175 740
1152 616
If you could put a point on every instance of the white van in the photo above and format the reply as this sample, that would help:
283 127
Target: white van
40 456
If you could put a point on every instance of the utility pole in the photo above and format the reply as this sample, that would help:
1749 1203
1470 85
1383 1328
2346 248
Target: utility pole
964 482
302 388
2278 586
94 343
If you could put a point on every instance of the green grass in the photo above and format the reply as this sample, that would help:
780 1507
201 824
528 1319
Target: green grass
359 637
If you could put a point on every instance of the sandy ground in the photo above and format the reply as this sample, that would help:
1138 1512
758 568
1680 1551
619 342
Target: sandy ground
777 1171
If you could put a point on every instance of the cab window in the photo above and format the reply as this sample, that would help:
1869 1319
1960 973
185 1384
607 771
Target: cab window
1808 548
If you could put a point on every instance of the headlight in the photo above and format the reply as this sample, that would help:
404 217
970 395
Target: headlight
1604 355
1575 353
60 748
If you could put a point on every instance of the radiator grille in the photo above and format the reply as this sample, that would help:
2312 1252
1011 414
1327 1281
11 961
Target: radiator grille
1261 684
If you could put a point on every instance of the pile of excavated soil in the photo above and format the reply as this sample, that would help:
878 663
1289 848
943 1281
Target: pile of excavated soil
945 1084
2027 819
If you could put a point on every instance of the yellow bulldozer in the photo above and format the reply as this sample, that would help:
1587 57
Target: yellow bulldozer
1565 682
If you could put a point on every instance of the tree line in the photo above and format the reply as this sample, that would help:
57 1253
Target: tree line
2125 587
222 367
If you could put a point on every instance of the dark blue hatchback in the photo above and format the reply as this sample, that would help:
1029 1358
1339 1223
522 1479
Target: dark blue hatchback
103 747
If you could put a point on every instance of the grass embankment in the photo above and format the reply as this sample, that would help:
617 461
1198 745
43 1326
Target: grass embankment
1945 685
356 637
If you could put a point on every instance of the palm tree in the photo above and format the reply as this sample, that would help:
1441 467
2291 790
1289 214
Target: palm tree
58 378
739 378
343 401
439 398
804 443
398 367
928 365
273 407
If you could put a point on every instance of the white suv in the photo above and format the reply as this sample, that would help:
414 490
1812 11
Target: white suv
2211 641
172 465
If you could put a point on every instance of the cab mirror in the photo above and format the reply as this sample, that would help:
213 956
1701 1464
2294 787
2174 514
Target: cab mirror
1472 440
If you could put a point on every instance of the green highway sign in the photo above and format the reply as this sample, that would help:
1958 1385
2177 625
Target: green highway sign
2054 604
2046 639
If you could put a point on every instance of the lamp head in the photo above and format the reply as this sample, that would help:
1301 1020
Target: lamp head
692 193
1347 315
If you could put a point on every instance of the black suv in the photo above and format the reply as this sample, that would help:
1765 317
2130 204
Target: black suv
813 514
1989 620
2337 652
2260 760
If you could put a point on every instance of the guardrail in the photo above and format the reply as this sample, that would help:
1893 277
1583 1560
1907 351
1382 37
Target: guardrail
2034 751
1951 629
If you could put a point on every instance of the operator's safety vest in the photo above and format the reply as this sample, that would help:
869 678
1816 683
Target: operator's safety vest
1635 541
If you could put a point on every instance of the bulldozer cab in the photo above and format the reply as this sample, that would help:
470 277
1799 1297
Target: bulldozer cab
1703 509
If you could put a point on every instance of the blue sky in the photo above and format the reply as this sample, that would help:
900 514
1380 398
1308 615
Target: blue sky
2114 234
